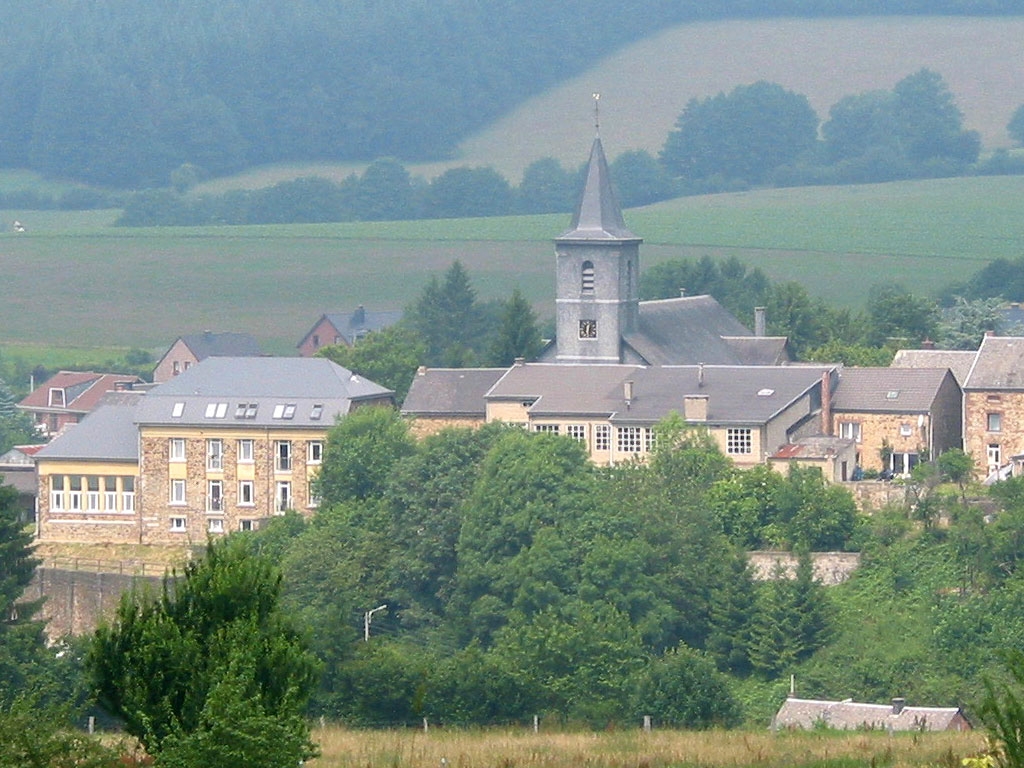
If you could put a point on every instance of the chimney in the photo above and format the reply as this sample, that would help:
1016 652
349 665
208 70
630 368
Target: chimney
759 321
897 705
826 402
519 361
421 371
359 316
695 408
700 374
927 344
682 293
627 391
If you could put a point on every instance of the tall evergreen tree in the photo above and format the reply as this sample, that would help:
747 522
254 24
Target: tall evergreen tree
518 334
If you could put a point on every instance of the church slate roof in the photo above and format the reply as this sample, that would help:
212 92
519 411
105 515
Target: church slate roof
697 329
598 215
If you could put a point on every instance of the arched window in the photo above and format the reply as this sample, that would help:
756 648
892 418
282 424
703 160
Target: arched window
588 277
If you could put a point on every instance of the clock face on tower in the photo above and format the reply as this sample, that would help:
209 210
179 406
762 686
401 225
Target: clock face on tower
588 329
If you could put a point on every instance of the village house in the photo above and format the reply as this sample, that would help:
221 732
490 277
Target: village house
67 396
852 715
227 443
993 407
346 329
897 416
188 350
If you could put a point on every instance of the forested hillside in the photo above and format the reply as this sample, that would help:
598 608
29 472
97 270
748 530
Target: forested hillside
123 94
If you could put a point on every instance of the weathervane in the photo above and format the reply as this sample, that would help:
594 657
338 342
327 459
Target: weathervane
597 112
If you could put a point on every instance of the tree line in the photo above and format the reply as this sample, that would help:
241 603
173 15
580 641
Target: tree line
119 97
755 135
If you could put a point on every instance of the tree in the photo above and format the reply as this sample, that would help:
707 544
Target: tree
963 325
682 689
389 357
1003 711
446 316
21 636
517 335
385 192
42 737
466 192
928 122
743 135
898 315
210 672
547 187
732 283
859 123
640 179
361 449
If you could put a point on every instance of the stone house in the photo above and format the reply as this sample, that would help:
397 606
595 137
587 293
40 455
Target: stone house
67 396
224 445
449 397
897 416
347 329
993 406
188 350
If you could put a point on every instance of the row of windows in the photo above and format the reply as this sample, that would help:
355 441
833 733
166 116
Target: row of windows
213 525
246 495
244 451
738 440
92 493
248 410
851 430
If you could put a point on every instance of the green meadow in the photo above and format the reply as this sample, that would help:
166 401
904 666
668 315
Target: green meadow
74 280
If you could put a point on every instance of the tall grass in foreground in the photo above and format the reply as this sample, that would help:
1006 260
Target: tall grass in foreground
636 749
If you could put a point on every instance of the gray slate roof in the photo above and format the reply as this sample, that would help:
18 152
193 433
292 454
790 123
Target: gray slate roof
107 434
957 360
457 392
806 713
999 364
265 381
888 390
736 394
352 325
598 215
209 344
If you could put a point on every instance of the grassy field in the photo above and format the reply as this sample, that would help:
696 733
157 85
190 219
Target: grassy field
635 749
74 281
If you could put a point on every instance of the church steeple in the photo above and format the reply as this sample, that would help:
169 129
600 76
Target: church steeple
598 215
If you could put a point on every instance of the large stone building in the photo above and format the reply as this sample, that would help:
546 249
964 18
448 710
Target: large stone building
223 445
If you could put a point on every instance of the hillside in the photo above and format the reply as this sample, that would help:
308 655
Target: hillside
825 59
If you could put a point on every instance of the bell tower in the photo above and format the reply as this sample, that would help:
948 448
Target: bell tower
597 273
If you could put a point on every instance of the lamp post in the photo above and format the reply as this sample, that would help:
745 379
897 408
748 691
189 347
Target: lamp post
367 618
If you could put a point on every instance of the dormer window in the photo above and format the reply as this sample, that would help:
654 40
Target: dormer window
246 411
587 283
284 411
57 398
216 410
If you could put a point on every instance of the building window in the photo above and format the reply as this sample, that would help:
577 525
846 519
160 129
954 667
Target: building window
549 428
650 439
850 430
75 496
312 495
577 432
176 367
214 455
284 411
57 398
215 525
283 456
178 524
177 410
627 439
283 498
92 494
245 493
176 449
57 493
994 422
177 491
739 441
110 494
587 275
588 329
246 525
245 452
215 496
216 410
246 411
128 494
602 437
906 430
314 452
316 412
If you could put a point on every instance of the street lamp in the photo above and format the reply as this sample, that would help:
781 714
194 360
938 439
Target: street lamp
367 617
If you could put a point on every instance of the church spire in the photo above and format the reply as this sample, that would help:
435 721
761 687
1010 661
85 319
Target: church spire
598 215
